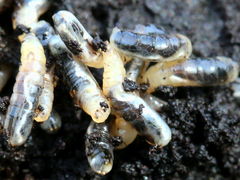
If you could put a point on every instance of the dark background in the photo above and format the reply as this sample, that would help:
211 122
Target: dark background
204 121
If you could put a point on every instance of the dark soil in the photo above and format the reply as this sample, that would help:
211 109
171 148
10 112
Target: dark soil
205 122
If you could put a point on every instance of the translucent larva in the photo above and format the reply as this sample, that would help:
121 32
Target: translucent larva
99 149
151 45
53 123
84 88
26 91
5 73
28 12
77 39
45 102
192 72
124 130
130 106
44 32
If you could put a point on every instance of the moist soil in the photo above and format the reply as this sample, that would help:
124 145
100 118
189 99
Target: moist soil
205 121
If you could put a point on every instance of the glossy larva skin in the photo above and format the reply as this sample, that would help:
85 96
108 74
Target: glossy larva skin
151 46
192 72
154 102
29 11
130 106
99 149
77 39
124 130
45 102
5 73
84 88
53 123
26 91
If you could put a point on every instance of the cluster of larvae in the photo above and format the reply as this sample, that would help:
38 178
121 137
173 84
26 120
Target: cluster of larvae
129 78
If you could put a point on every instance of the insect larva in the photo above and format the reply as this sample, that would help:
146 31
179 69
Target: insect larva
28 12
26 91
151 46
192 72
53 123
99 149
130 106
77 39
84 88
5 73
46 98
123 129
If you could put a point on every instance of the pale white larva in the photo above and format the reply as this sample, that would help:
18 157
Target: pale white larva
26 91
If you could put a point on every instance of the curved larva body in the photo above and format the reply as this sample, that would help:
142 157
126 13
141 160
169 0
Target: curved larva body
151 46
46 98
27 89
123 129
84 88
99 149
130 106
192 72
77 39
5 73
29 11
53 123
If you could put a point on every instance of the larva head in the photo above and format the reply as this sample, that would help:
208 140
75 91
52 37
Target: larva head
43 31
32 49
71 31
